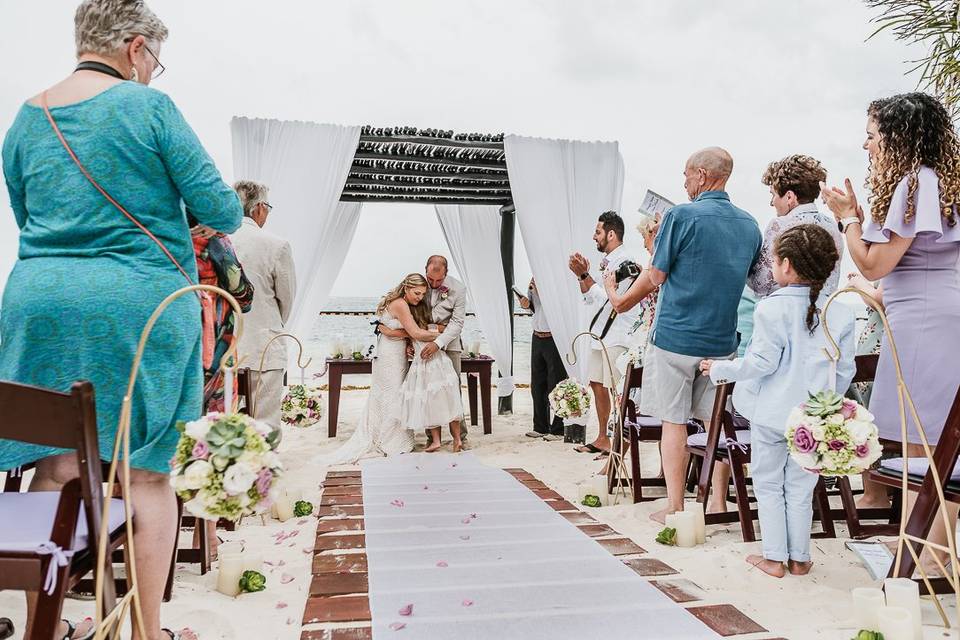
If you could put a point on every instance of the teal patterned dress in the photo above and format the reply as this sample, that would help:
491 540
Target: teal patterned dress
87 279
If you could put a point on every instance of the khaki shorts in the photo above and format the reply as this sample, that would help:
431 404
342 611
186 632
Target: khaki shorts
598 371
673 388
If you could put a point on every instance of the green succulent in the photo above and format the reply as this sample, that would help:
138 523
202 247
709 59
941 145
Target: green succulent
868 635
252 581
226 437
302 508
824 403
667 536
591 500
273 438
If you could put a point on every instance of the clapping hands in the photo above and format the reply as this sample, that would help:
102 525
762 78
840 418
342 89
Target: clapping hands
843 204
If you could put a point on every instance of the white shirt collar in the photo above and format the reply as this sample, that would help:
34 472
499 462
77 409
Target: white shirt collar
251 222
801 209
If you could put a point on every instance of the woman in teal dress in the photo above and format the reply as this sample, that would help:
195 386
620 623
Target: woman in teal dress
87 279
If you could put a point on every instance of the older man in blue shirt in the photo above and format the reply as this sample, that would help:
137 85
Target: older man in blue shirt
702 256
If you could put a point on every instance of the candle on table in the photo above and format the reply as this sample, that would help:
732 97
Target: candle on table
699 522
475 348
228 574
867 602
895 623
685 524
905 593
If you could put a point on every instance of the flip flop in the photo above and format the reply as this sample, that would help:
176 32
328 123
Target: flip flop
72 629
590 448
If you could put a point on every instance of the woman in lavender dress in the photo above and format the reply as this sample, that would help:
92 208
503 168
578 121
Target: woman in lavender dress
912 243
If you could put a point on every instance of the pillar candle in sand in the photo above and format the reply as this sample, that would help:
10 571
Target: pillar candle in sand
229 571
905 593
700 525
686 527
867 602
895 623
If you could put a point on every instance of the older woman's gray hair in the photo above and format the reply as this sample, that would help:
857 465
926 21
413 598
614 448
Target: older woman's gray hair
102 26
251 194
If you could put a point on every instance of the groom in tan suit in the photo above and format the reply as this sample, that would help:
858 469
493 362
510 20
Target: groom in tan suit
448 301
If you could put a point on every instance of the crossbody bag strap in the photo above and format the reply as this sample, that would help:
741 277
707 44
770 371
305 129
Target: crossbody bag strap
103 192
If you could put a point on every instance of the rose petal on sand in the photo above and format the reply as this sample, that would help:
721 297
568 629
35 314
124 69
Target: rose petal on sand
397 503
442 564
282 605
286 578
406 610
396 626
464 537
473 516
467 602
290 620
304 521
466 520
307 549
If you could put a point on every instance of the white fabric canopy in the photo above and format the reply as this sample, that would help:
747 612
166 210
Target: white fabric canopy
560 188
305 164
473 235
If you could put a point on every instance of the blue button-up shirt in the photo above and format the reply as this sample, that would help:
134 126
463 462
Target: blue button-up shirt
706 248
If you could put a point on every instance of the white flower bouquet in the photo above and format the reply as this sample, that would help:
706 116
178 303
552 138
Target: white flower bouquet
569 399
302 406
832 436
225 466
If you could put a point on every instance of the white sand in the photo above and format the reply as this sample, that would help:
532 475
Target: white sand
816 606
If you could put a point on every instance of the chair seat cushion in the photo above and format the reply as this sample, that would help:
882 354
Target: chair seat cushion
917 467
700 439
26 520
647 421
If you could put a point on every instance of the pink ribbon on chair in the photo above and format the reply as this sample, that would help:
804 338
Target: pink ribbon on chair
60 558
744 448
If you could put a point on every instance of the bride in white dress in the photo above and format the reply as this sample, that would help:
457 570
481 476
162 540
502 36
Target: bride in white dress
381 430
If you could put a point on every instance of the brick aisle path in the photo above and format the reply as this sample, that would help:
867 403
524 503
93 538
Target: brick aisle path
337 607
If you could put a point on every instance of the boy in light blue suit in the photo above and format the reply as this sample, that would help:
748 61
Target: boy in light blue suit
784 361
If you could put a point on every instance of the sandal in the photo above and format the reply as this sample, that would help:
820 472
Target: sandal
72 629
589 448
175 635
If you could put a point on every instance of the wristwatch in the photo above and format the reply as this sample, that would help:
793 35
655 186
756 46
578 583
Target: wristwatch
846 222
584 275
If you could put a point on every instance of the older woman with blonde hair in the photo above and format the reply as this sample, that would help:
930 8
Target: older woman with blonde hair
100 170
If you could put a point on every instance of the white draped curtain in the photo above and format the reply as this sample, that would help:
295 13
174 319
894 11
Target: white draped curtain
473 235
305 165
560 188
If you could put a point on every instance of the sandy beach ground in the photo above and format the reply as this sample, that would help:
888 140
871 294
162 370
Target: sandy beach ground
816 606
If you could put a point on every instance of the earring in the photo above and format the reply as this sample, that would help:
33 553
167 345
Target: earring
134 77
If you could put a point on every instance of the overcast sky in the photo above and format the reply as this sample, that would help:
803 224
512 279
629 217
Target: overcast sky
664 78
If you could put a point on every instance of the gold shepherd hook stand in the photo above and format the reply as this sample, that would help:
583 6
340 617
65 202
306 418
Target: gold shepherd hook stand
263 358
109 624
905 540
616 466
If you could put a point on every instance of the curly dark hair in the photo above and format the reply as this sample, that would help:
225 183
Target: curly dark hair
612 222
813 254
915 129
798 173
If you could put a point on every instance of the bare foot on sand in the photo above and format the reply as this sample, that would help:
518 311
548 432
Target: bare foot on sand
433 446
719 506
864 503
799 568
769 567
457 446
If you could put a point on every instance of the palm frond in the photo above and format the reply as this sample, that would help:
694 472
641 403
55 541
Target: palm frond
935 24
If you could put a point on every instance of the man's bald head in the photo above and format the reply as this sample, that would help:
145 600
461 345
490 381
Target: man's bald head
717 162
707 170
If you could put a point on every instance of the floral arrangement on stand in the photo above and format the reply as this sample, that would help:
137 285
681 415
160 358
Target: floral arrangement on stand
832 436
225 466
569 399
302 406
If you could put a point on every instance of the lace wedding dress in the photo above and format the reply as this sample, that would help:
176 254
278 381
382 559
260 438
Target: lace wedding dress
380 431
430 396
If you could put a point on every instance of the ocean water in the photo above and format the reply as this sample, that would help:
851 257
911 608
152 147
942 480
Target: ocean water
355 333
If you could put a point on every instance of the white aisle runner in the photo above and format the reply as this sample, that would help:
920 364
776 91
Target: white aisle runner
472 554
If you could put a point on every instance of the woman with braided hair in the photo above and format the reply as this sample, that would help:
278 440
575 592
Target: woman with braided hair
911 242
786 360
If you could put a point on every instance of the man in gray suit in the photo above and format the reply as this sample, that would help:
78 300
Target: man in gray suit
448 300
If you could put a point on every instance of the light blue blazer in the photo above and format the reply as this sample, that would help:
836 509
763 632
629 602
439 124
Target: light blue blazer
783 361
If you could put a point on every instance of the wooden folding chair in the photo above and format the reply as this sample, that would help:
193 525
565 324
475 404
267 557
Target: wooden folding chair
925 508
725 444
866 372
637 429
49 539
